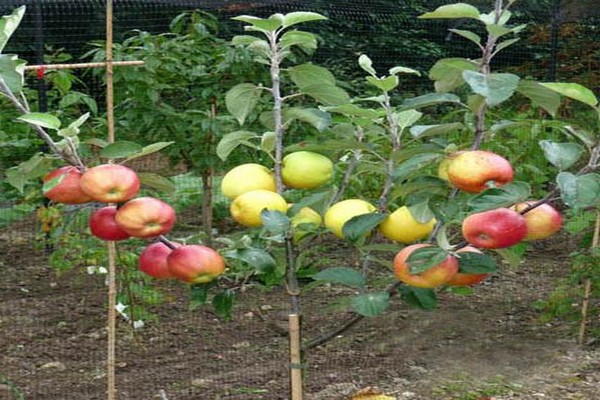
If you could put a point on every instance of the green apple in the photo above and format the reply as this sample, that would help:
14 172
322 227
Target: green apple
306 170
247 177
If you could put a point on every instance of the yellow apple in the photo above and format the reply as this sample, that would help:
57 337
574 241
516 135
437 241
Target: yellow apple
247 177
542 221
246 208
305 215
306 170
339 213
402 227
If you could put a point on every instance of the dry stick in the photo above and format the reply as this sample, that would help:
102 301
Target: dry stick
588 286
81 65
112 287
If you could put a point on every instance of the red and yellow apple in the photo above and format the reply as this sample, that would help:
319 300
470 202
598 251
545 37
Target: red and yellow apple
465 279
103 225
110 183
339 213
247 177
62 186
472 171
542 221
195 264
306 170
494 229
436 276
247 207
153 260
145 217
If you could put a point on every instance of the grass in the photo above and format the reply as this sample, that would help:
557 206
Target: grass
465 388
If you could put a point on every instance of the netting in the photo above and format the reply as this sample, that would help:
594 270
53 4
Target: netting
193 354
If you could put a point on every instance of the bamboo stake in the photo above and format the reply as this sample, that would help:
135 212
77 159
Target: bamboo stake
587 291
112 252
296 364
82 65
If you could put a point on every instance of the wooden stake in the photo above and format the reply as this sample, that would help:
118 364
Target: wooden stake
82 65
296 365
587 290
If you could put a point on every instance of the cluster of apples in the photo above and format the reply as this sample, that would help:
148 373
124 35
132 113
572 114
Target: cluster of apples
139 217
252 187
474 171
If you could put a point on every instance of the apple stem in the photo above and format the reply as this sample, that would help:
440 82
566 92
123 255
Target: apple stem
166 242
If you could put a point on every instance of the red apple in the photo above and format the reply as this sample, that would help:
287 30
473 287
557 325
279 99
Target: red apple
62 186
472 170
103 225
464 279
153 260
195 264
145 217
542 221
436 276
494 229
110 183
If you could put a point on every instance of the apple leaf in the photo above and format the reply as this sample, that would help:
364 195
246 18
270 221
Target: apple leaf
513 254
419 131
425 258
146 150
44 120
307 75
223 303
503 196
36 167
258 259
73 129
319 119
9 215
370 304
425 299
327 95
261 24
457 10
365 62
415 164
360 225
9 24
298 17
267 142
581 191
342 276
12 72
561 155
120 149
495 88
574 91
429 99
157 182
275 221
305 40
540 95
232 140
317 201
199 295
52 183
448 73
421 211
472 36
241 99
475 263
407 118
386 84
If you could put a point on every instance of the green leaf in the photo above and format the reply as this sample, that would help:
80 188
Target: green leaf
317 201
407 118
497 30
360 225
9 215
299 17
386 84
504 44
370 304
317 118
267 142
147 150
561 155
73 128
157 182
503 196
425 299
258 259
472 36
241 99
475 263
327 95
540 95
265 25
34 168
309 75
574 91
120 149
419 131
425 258
421 211
44 120
403 70
275 221
198 295
448 73
8 25
458 10
245 40
341 276
305 40
232 140
356 111
514 254
12 72
496 88
429 99
366 64
415 164
579 191
223 303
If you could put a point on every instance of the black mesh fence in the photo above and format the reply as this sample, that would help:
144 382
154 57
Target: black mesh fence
193 355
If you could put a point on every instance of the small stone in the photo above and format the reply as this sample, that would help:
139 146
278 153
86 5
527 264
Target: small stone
266 307
201 382
54 364
241 345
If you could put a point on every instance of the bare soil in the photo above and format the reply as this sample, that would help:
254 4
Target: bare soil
489 345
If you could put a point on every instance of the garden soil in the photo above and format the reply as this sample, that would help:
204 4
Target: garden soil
488 345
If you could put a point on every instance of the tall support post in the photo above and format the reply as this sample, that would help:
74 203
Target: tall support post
554 35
